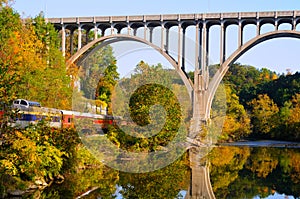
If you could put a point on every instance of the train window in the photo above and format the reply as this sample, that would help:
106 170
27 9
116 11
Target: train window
26 117
23 102
36 104
33 117
70 120
55 119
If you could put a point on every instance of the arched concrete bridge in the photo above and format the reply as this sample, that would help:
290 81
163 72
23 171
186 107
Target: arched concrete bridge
202 91
118 28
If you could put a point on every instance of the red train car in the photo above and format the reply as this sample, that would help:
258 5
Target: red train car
86 122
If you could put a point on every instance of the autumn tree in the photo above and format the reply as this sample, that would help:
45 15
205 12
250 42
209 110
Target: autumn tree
263 113
262 162
226 163
32 68
237 121
9 73
31 57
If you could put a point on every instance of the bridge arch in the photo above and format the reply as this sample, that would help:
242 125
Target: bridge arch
106 40
214 83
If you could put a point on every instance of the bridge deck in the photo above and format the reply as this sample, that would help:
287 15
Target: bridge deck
174 17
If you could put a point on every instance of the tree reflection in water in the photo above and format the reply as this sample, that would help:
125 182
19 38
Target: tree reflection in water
234 172
243 172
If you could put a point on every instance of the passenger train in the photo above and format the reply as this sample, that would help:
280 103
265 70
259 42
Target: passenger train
30 112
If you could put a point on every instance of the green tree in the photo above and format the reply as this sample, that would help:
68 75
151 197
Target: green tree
98 75
288 122
153 106
282 89
241 77
46 33
106 85
56 80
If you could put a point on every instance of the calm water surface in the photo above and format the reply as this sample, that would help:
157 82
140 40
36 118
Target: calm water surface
236 171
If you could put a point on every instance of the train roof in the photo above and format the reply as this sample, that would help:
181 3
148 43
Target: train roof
30 103
82 114
90 115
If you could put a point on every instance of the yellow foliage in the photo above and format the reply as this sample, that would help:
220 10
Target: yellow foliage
100 103
263 163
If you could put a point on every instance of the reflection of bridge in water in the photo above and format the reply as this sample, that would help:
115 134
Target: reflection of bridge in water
200 185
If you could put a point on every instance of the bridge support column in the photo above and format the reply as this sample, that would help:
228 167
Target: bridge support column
128 29
71 42
201 109
167 40
200 185
222 44
151 34
183 50
145 32
257 28
179 44
95 32
162 36
87 36
79 37
63 40
240 37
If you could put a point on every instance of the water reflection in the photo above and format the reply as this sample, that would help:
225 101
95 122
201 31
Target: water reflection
243 172
200 185
227 172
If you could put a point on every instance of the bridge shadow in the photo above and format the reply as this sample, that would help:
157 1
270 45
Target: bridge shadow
200 185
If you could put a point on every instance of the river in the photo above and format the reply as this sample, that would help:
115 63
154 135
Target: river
253 169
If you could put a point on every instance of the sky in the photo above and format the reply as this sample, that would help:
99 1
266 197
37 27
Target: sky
276 54
68 8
